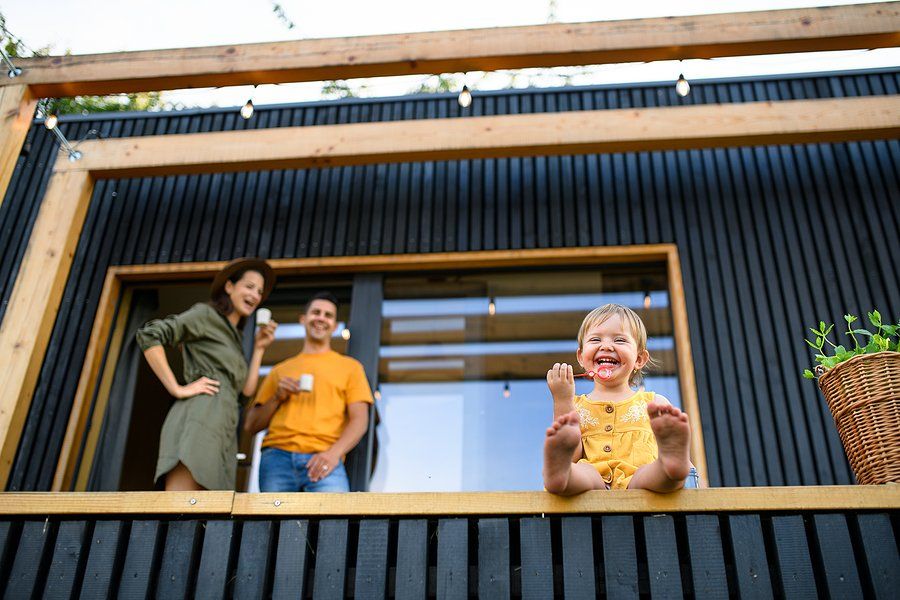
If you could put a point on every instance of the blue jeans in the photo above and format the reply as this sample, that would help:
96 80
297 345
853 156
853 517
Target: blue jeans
283 471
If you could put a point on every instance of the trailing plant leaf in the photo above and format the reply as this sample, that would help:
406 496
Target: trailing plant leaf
883 339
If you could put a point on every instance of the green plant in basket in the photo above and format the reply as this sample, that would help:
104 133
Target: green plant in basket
884 338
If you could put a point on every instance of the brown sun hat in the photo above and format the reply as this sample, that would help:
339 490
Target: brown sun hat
244 264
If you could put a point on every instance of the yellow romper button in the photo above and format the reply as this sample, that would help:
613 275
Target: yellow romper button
609 409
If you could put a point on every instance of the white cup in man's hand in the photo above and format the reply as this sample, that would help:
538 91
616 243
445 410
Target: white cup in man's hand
263 316
306 382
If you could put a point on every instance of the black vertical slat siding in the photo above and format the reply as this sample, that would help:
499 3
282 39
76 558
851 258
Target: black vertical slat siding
707 560
662 557
291 560
105 559
877 539
254 571
771 240
371 559
748 551
579 580
493 558
795 570
536 556
142 559
836 555
837 566
9 534
619 557
216 558
179 560
331 559
453 559
68 562
412 559
29 568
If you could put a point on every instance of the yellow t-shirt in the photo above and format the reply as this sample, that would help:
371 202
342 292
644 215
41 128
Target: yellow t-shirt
312 421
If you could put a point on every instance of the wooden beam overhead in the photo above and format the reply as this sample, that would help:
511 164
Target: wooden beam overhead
563 44
545 134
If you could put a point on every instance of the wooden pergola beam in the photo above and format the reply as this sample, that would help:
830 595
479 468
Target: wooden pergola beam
564 44
544 134
17 106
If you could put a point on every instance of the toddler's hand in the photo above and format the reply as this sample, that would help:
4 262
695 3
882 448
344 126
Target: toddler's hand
561 381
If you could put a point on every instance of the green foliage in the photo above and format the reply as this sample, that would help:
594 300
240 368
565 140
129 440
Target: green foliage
436 84
339 88
884 338
282 16
82 105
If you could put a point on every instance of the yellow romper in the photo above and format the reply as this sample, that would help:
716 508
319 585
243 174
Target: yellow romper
617 437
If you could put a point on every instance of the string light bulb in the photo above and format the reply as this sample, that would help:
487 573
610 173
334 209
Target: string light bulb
345 333
465 97
377 393
13 71
647 300
492 306
50 121
247 109
506 391
682 87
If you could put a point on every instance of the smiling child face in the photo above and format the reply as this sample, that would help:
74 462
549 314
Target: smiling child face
610 345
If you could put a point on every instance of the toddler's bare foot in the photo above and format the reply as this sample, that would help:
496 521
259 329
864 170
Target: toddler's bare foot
673 436
563 436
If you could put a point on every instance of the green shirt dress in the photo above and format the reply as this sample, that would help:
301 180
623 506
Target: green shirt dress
201 432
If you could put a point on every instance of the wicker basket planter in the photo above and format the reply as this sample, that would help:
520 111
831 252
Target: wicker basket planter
863 395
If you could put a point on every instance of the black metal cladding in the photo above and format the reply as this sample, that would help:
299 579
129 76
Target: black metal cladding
771 239
750 555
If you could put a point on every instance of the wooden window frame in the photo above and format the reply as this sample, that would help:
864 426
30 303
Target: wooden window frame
110 319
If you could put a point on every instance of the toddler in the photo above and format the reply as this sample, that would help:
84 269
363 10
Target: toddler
614 437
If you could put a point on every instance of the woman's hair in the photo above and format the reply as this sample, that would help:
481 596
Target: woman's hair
632 321
221 301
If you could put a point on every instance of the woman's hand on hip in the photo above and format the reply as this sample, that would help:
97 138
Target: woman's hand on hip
202 387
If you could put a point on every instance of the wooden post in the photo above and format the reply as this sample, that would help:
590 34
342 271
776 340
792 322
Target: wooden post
17 106
35 299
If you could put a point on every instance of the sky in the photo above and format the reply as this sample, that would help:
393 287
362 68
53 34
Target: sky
94 26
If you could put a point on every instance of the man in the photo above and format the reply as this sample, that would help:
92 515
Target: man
316 407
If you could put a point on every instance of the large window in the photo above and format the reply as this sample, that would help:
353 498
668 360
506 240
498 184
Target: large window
458 345
463 398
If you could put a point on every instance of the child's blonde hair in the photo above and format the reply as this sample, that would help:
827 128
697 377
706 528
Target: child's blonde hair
632 320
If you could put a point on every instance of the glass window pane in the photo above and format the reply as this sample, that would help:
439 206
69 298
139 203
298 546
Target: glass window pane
463 395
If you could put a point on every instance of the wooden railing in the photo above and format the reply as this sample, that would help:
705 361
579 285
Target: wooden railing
713 543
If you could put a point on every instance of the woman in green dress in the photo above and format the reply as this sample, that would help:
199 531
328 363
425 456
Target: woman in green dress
198 442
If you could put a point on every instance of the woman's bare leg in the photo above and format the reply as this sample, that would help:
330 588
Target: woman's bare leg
179 479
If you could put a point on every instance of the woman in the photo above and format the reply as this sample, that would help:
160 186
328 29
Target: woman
198 442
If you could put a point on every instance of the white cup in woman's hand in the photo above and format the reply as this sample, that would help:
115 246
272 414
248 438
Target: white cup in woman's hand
306 382
263 316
